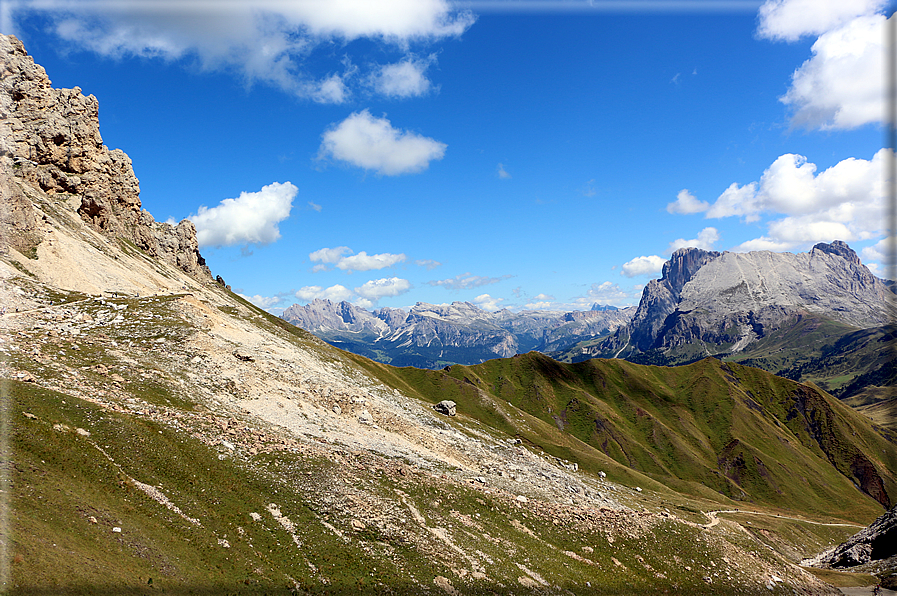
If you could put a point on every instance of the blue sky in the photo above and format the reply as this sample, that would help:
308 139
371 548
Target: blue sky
515 154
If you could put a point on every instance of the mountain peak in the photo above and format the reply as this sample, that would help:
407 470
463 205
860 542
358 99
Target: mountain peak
839 248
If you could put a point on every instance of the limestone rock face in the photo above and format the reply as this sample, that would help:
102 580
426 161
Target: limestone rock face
726 301
50 139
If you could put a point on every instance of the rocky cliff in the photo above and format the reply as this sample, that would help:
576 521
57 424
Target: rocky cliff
50 140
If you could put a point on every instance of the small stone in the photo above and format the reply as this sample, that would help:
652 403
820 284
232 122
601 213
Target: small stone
92 519
357 525
82 432
337 410
29 415
365 417
116 530
521 499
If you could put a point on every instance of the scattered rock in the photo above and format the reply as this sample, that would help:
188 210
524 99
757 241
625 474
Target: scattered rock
446 407
243 357
337 410
29 415
116 530
357 525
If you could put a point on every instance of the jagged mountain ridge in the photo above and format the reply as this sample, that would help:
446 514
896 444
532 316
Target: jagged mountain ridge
52 137
431 335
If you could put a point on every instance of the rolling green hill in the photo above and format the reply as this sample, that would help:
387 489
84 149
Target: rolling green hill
736 430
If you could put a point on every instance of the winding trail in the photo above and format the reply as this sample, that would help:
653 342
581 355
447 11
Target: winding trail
714 519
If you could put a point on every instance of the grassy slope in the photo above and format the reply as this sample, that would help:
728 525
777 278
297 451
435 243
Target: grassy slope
735 430
61 478
843 360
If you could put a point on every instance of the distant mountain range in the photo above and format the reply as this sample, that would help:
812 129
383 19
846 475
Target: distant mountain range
820 316
433 336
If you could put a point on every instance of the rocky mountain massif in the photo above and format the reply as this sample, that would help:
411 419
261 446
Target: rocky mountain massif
820 316
433 336
160 434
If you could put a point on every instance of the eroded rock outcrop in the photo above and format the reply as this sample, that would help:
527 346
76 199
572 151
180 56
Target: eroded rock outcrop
50 139
875 543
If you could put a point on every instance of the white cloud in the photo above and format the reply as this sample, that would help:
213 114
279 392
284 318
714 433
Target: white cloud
487 302
261 40
643 266
335 293
543 305
763 243
879 251
360 262
376 289
789 20
373 144
603 293
315 206
404 79
466 281
545 297
365 262
251 218
329 255
686 203
502 172
842 85
430 264
843 202
705 240
330 90
264 302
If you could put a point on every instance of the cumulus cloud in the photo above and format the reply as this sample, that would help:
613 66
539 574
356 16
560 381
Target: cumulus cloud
845 201
261 40
372 143
329 255
841 86
705 240
487 302
365 262
251 218
356 262
406 78
376 289
643 266
687 203
335 293
466 281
